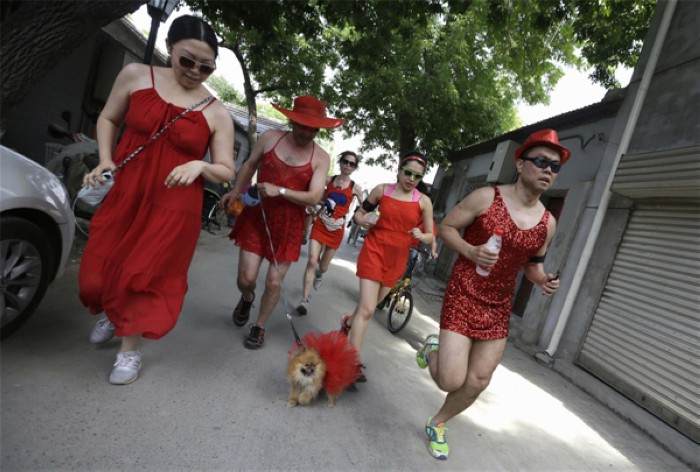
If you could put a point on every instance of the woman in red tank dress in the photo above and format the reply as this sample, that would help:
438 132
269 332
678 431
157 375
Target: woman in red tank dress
329 228
386 248
475 314
143 237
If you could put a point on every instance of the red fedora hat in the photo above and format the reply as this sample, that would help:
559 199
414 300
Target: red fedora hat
544 137
309 111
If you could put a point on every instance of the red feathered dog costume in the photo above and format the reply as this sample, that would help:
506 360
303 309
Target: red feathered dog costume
340 356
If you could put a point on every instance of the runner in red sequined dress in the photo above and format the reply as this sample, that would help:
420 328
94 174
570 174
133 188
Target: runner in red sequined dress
476 310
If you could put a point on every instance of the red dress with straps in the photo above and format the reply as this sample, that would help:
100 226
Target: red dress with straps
319 231
387 246
479 307
284 218
144 235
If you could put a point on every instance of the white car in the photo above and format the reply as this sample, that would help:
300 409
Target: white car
37 227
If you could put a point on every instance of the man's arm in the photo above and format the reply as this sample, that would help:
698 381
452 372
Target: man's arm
534 271
248 169
460 217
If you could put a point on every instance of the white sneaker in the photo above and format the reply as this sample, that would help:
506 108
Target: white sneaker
126 368
318 281
103 331
303 307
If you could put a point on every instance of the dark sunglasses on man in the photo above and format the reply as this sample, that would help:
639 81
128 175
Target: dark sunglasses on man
542 162
188 63
345 162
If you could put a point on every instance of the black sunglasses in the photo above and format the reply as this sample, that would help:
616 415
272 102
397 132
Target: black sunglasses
188 63
410 173
542 163
345 162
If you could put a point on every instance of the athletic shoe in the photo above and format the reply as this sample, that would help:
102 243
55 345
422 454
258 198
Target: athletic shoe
344 326
303 307
431 344
318 281
360 375
437 442
103 331
126 368
256 338
241 313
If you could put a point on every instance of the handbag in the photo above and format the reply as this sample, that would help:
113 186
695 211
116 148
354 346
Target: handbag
89 199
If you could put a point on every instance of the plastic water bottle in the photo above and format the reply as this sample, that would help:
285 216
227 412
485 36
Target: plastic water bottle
373 216
493 244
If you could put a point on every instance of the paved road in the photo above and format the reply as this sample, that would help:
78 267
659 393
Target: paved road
204 402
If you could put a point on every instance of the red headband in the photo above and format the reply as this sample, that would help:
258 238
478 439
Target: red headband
414 157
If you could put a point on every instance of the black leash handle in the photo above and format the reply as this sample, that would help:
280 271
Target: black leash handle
284 296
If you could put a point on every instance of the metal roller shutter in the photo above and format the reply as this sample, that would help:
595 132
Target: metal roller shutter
645 334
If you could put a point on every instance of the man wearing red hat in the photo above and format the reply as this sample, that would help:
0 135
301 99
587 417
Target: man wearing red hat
475 316
292 172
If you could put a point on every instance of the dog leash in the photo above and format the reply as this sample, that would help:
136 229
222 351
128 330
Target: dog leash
284 296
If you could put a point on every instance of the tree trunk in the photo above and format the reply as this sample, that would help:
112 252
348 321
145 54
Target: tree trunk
37 35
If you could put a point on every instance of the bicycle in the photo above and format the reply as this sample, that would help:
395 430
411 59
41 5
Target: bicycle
400 297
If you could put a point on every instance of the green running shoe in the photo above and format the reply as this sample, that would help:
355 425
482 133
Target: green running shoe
437 442
431 344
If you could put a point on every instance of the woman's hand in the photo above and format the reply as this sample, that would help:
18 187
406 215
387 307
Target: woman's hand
416 233
184 175
95 176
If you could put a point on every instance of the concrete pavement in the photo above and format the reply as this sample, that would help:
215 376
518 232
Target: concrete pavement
204 402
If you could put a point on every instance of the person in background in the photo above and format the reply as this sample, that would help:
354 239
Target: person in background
474 321
143 236
386 248
329 227
292 171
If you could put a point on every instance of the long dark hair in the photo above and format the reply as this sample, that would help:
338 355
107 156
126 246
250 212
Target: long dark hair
193 27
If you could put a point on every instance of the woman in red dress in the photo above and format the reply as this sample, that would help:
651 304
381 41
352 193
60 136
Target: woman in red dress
143 237
329 228
385 251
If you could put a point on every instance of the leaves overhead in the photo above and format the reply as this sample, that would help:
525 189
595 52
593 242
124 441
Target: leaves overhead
433 75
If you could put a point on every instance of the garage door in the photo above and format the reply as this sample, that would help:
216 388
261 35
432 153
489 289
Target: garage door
645 334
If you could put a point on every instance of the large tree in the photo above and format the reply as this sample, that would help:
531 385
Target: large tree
36 35
279 45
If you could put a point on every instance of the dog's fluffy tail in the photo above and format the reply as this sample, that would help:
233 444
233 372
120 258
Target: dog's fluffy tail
340 356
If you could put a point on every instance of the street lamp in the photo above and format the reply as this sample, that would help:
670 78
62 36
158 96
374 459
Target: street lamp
159 11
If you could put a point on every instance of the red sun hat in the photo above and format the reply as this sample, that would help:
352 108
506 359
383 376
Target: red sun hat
544 137
309 111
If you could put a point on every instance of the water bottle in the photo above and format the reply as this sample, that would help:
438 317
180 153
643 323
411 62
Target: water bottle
493 244
373 216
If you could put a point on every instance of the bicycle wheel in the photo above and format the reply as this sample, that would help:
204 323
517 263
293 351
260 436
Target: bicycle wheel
400 310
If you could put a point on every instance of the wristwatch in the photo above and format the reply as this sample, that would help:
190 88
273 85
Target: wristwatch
283 191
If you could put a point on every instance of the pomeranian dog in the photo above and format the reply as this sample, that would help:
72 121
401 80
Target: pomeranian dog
305 373
321 361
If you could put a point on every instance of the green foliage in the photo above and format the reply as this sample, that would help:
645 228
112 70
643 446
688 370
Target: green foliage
225 91
432 75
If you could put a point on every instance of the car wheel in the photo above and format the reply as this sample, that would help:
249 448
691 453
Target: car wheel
25 270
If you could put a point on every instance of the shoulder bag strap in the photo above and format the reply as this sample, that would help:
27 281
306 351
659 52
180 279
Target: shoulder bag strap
162 130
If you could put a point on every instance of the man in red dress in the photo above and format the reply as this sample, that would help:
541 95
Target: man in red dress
475 316
291 174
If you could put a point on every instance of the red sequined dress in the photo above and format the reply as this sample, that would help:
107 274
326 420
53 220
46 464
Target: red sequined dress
144 235
386 248
319 231
284 218
479 307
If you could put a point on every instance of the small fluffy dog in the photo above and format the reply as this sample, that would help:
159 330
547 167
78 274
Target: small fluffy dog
305 373
325 361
